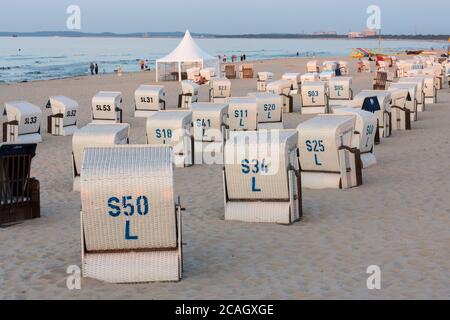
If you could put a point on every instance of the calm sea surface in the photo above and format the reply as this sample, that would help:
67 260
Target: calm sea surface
26 59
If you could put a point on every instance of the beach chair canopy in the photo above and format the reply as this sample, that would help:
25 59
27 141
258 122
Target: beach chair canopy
186 56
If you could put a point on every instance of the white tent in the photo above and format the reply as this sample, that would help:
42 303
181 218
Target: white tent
187 55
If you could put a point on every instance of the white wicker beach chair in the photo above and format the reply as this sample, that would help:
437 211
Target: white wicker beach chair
261 177
420 94
310 77
148 100
270 110
208 73
379 103
430 86
219 90
401 115
330 66
246 71
95 135
295 80
130 221
262 79
23 125
341 91
315 98
189 94
242 114
63 120
411 100
344 68
173 128
209 131
327 158
283 88
106 107
327 75
312 66
364 134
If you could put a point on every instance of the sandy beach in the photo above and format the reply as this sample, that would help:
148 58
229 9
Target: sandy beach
399 219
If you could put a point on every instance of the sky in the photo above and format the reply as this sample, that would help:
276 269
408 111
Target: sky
227 16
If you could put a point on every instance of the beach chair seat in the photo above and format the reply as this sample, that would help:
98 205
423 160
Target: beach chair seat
106 107
262 79
364 134
219 90
95 135
313 66
310 77
401 115
344 68
327 75
341 91
379 103
209 132
230 71
172 128
327 158
315 98
420 95
148 100
283 88
242 114
19 192
411 99
270 110
63 120
246 71
193 73
130 221
262 180
189 94
295 80
380 81
23 123
208 73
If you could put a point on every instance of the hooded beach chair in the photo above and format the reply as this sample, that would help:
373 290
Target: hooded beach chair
315 98
420 94
246 71
295 80
310 77
63 120
330 66
262 181
219 90
23 123
313 66
364 134
401 115
381 80
327 158
148 100
283 88
189 94
130 219
341 91
106 107
209 132
95 135
172 128
262 79
411 99
242 114
230 71
270 110
379 103
344 68
19 192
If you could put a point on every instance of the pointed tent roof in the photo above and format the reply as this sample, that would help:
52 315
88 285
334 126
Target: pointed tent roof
187 50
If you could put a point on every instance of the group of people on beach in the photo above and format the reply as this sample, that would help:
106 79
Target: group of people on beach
234 58
94 68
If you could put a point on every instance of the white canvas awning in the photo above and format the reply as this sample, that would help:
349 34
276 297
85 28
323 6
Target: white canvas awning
187 53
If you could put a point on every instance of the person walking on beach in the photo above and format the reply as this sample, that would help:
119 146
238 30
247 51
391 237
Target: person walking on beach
96 69
92 67
142 63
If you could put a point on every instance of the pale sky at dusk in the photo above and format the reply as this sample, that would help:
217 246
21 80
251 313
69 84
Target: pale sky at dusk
227 16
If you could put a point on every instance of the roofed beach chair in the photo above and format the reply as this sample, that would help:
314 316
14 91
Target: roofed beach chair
23 123
379 103
262 181
95 135
401 115
313 66
447 72
270 110
189 94
172 128
262 79
148 100
344 68
242 114
315 98
209 131
131 227
19 193
341 91
230 71
219 90
364 134
328 159
330 66
295 80
310 77
246 71
411 99
420 94
63 120
106 107
283 88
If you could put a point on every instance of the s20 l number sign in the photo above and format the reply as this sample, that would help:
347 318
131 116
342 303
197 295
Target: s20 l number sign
128 206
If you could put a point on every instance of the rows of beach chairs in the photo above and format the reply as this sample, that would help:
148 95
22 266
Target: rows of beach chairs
131 221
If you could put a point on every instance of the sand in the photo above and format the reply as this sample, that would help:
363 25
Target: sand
398 220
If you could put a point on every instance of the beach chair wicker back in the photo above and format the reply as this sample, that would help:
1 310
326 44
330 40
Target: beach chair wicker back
420 95
246 71
219 90
380 81
270 110
411 99
148 100
242 114
63 120
189 94
130 222
262 79
106 107
230 71
401 115
23 123
315 98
